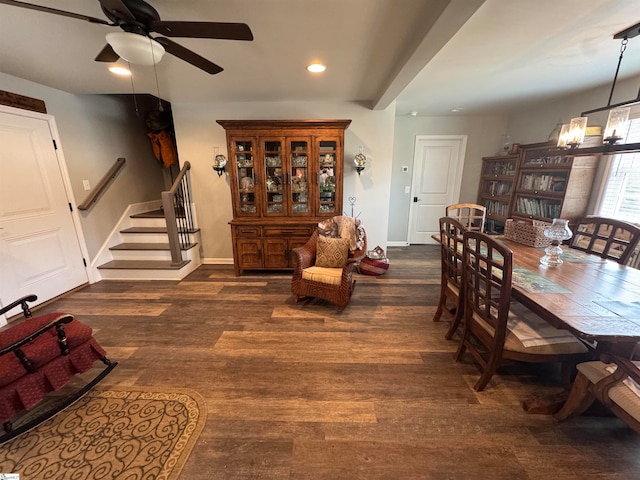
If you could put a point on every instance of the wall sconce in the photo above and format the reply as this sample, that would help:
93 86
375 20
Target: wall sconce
577 131
360 160
617 125
219 162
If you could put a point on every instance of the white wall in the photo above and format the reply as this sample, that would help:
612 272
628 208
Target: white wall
198 133
483 139
94 131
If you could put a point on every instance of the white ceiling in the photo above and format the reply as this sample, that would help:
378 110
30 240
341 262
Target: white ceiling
428 55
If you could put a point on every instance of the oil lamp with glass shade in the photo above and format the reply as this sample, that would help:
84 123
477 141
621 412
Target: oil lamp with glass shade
557 232
219 162
360 161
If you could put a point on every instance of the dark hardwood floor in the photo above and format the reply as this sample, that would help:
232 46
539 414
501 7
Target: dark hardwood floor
301 392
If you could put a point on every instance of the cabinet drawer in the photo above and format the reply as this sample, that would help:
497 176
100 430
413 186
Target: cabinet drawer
293 231
247 231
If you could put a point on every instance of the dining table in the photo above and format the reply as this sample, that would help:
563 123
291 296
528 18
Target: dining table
596 299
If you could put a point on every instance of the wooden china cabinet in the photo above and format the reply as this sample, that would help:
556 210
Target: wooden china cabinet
285 177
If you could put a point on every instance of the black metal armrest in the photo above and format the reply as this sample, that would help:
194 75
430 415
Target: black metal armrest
21 301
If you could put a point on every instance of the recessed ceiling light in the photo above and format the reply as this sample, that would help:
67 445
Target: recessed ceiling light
457 109
120 70
413 114
316 67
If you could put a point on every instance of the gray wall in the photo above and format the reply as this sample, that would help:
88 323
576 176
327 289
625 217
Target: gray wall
533 124
94 131
530 125
483 139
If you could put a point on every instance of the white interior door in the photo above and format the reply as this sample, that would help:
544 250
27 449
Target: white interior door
437 174
39 247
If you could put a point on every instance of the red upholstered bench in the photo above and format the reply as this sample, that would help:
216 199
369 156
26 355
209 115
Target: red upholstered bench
40 355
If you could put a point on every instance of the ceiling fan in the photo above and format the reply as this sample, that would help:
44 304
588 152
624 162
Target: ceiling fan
138 20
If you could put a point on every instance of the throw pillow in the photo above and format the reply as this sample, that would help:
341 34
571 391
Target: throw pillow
332 252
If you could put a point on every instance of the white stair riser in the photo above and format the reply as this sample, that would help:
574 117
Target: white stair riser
188 254
163 255
148 222
145 238
124 274
141 274
151 238
141 254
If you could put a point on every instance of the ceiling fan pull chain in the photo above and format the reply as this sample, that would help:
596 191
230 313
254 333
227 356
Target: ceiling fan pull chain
133 89
155 73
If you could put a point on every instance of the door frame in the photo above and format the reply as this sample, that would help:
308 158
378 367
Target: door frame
462 140
64 173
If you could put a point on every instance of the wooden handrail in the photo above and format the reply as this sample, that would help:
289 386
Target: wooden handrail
102 184
171 202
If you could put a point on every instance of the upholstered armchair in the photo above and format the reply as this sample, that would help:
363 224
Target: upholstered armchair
325 264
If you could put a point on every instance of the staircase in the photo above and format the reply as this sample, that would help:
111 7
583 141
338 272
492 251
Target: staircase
140 250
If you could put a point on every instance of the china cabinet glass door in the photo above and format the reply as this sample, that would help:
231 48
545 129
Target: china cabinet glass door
327 152
274 176
243 154
299 155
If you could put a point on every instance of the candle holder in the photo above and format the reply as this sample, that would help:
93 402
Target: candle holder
219 162
359 161
557 232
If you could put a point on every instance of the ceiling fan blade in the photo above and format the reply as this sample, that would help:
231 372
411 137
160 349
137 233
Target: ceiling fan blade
107 54
119 7
218 30
55 11
188 56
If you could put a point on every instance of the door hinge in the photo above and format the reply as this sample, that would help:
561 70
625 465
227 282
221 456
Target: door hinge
55 145
84 261
70 207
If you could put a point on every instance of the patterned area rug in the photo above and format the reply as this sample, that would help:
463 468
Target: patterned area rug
121 433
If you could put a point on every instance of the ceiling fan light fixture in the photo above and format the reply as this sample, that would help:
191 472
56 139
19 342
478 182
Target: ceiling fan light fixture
136 49
120 70
316 68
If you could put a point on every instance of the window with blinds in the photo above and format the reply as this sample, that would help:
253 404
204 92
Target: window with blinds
621 196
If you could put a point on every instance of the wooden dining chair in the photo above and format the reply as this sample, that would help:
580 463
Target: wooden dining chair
612 380
496 328
451 273
472 216
606 237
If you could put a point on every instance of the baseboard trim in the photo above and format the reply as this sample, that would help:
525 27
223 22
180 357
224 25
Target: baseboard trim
397 244
217 261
